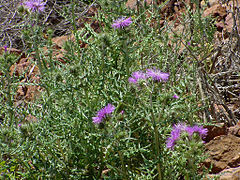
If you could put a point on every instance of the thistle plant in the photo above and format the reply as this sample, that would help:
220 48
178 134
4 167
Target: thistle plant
120 25
103 113
187 142
34 33
147 80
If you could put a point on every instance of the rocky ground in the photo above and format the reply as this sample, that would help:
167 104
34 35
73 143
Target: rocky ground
223 140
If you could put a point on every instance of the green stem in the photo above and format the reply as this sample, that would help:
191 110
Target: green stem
39 63
36 43
123 167
73 16
156 139
101 165
102 70
8 83
9 98
126 59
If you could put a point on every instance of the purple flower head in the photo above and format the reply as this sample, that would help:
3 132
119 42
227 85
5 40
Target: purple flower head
136 76
190 130
122 112
175 96
157 75
198 129
180 128
19 125
175 135
122 22
101 114
97 120
5 49
35 5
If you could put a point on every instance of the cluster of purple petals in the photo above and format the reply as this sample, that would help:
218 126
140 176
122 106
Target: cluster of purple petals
136 76
5 49
175 96
155 74
122 22
198 129
179 128
35 5
175 134
101 114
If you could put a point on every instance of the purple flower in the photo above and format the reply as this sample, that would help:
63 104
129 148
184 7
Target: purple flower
179 128
157 75
136 76
175 135
101 114
175 96
35 5
5 49
122 112
19 125
198 129
121 23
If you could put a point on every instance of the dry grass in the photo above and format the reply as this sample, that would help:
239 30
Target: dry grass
12 21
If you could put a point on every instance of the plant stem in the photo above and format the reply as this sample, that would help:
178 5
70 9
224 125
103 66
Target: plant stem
156 139
122 162
36 42
9 84
9 98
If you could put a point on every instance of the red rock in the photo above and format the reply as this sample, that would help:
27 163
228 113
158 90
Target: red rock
223 153
19 68
213 2
220 26
230 23
59 41
215 11
215 130
11 50
235 130
227 174
132 4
